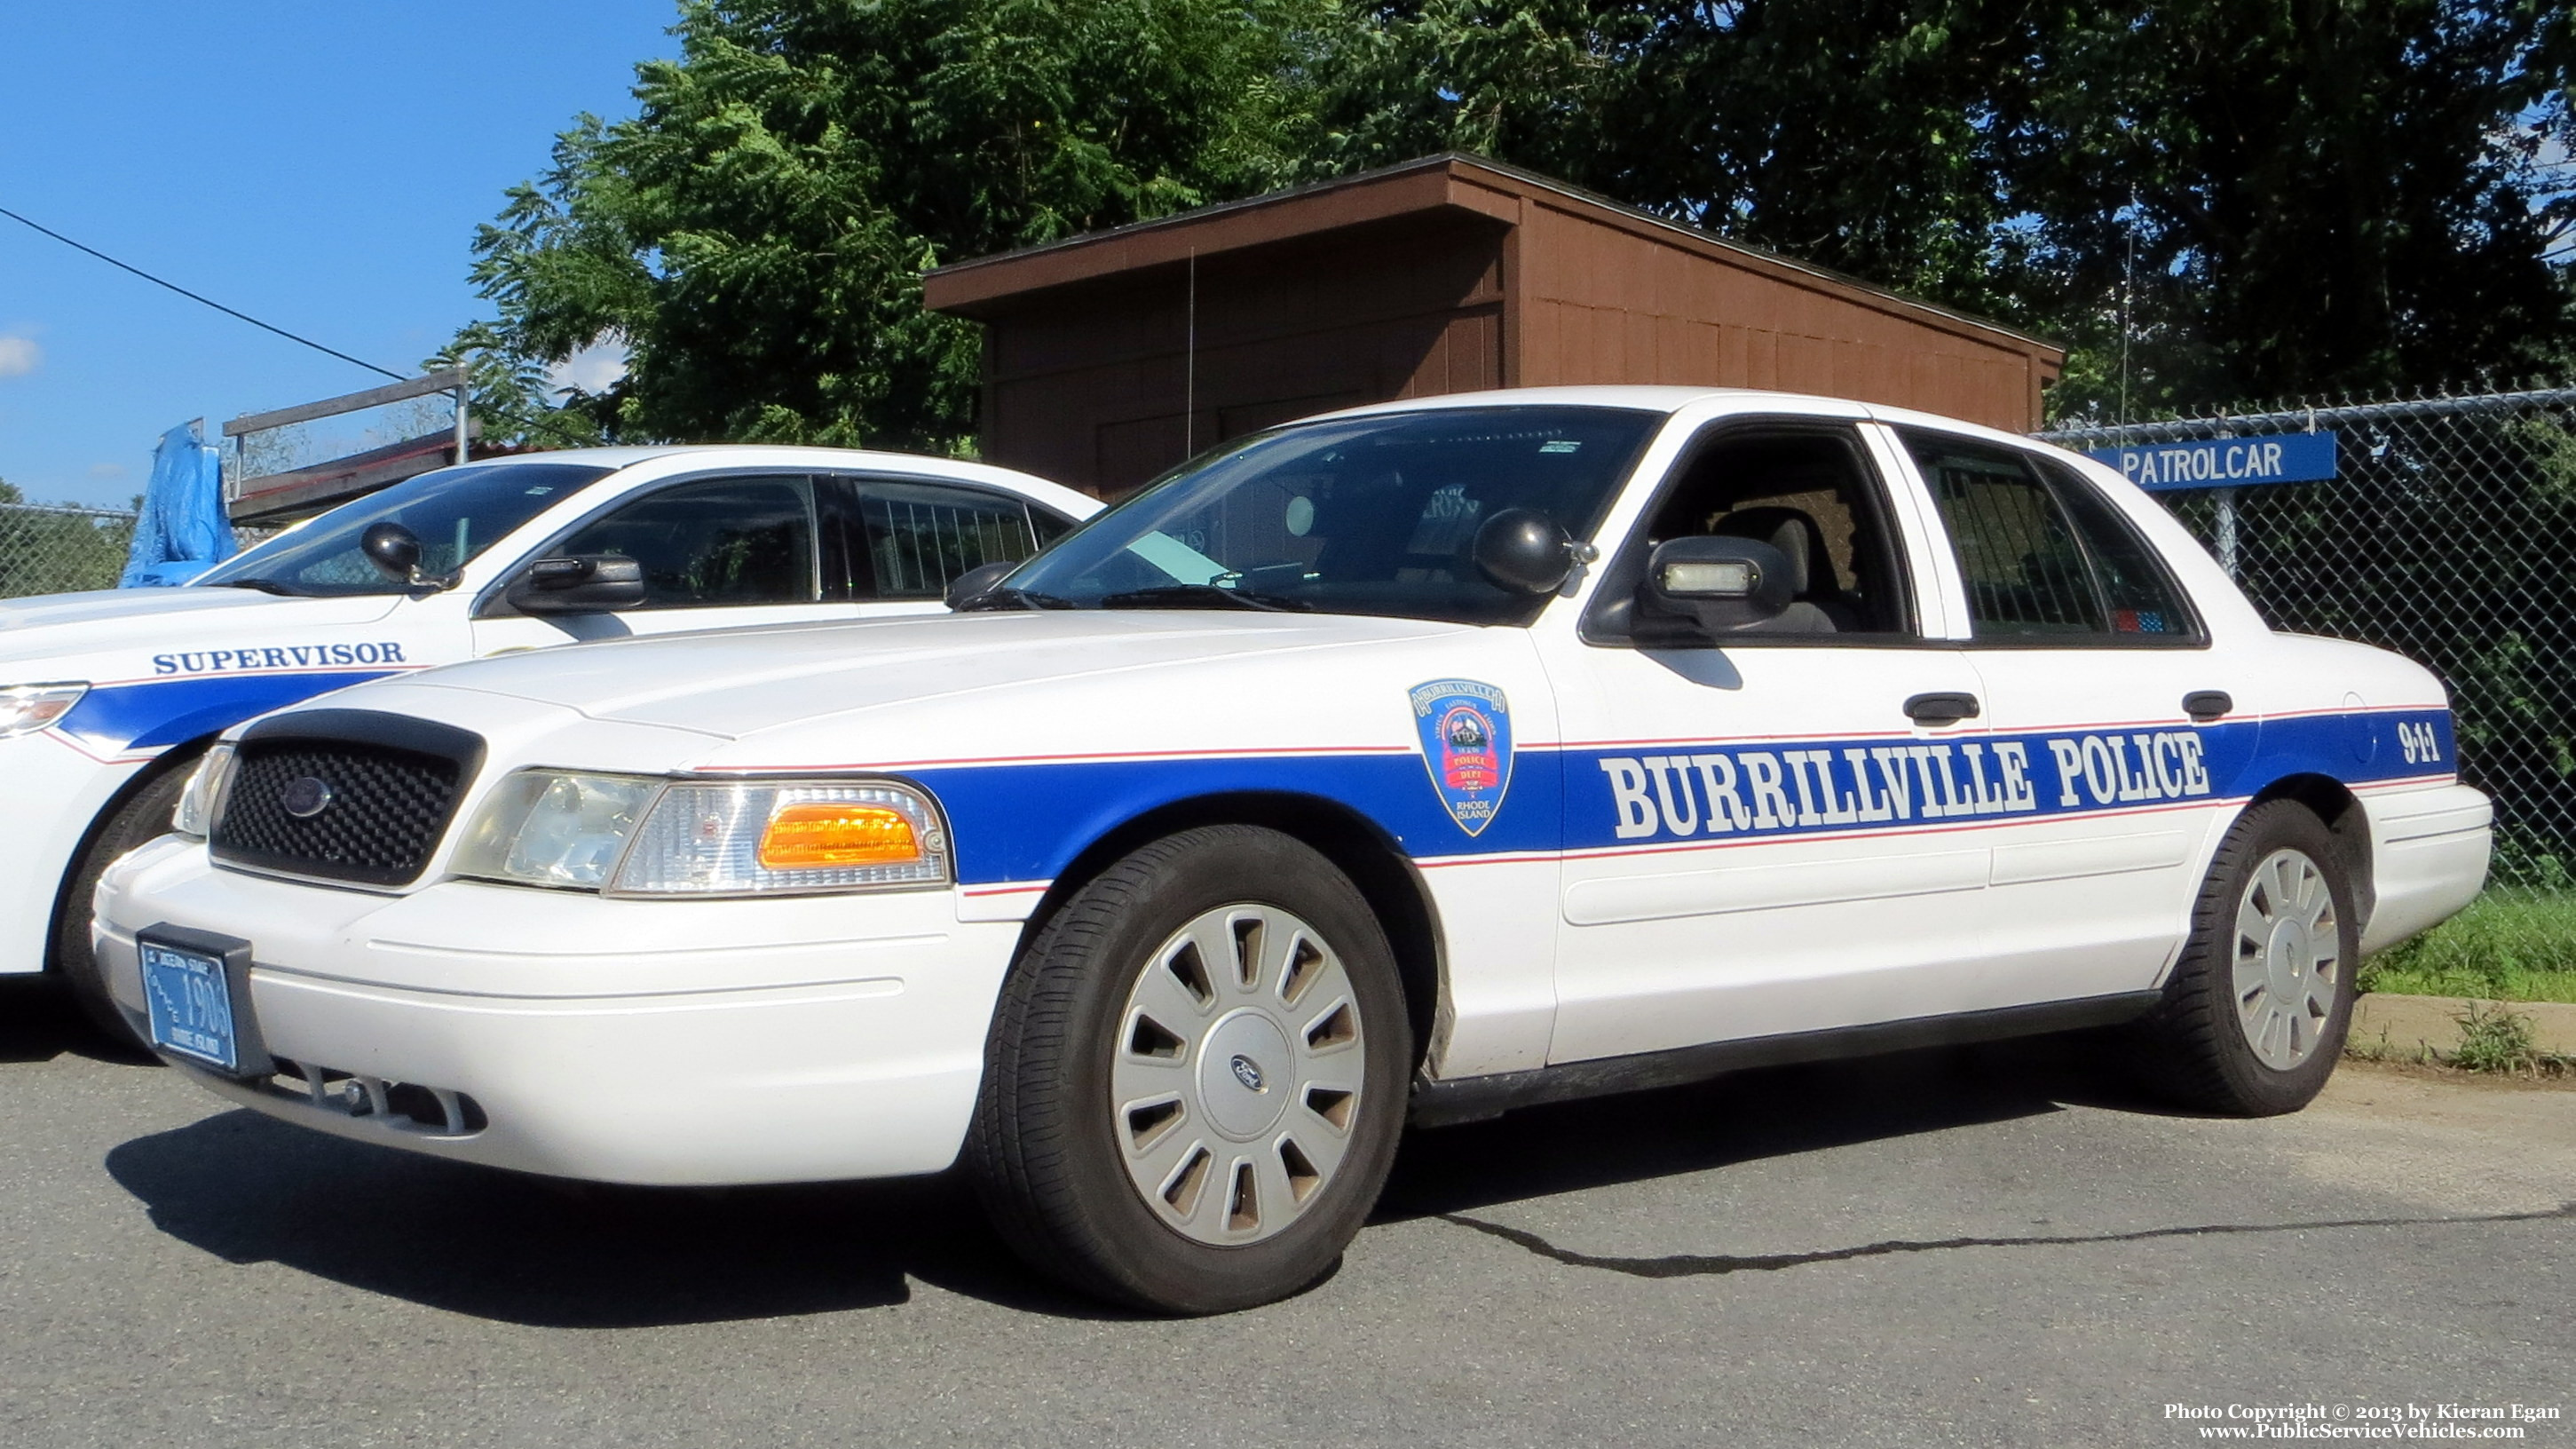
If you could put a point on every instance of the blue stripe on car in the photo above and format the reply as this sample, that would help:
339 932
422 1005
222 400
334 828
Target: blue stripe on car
1026 821
156 714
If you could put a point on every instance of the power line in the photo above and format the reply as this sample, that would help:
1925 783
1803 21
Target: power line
209 301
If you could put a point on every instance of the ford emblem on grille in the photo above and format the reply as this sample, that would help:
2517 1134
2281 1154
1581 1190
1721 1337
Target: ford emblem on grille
306 797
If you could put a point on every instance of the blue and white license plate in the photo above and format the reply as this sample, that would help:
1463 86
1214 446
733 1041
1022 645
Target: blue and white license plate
190 1002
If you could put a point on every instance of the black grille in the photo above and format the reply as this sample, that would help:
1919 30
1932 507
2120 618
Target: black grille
383 808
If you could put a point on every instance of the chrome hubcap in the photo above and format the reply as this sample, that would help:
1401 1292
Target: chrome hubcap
1238 1072
2289 948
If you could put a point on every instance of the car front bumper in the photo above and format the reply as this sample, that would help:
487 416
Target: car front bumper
653 1042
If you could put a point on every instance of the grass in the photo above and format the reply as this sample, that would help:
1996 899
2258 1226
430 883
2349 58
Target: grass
2495 1039
2507 946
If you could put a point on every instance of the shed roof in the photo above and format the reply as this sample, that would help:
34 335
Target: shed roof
1451 181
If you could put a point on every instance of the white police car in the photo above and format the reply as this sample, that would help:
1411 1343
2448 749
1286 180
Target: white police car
106 698
1420 761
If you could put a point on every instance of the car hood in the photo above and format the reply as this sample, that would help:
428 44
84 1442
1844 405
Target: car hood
71 626
740 684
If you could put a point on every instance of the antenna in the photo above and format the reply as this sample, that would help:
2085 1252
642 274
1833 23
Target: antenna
1190 366
2128 293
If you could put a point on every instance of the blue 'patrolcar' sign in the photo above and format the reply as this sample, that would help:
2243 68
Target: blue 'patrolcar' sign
2225 462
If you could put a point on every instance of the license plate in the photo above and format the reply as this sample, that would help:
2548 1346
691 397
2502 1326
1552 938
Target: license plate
190 1002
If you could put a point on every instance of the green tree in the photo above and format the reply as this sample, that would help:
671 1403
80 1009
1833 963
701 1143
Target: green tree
1555 86
2213 200
755 236
2306 196
1875 137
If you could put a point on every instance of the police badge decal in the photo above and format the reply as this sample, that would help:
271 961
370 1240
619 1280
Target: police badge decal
1466 730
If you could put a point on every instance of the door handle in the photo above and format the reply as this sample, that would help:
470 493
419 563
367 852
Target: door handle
1941 709
2204 705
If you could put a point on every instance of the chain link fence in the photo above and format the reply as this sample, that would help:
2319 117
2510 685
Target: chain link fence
47 550
2448 535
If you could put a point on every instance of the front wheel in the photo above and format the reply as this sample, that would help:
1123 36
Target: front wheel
2256 1012
1196 1076
142 816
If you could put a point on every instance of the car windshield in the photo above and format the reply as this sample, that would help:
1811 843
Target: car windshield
1370 515
457 512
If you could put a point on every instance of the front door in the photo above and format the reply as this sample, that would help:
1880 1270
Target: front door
716 553
1761 838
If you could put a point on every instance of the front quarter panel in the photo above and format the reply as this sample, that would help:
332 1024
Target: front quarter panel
1032 777
161 681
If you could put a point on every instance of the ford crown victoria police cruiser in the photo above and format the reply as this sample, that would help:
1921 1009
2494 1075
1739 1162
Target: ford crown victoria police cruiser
107 698
1420 761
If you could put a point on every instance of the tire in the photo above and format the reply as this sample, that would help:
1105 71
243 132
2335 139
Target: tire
1128 1141
2255 1014
141 816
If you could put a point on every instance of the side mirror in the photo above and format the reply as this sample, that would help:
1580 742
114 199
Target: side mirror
1719 585
1526 551
598 583
979 579
394 549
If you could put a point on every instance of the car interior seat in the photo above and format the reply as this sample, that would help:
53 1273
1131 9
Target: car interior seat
1818 603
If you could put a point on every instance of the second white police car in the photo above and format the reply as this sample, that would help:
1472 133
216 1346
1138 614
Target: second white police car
1417 762
108 698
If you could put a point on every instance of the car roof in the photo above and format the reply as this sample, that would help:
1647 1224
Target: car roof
1667 399
780 455
1642 397
629 456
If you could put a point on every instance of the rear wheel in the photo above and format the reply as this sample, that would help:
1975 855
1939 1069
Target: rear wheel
1196 1076
2256 1012
144 815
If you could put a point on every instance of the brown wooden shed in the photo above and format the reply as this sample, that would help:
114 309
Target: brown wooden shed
1111 356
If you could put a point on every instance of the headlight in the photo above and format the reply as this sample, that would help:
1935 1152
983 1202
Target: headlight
800 835
634 836
204 797
550 829
27 708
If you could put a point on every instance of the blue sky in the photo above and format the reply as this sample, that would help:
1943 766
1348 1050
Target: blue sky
318 165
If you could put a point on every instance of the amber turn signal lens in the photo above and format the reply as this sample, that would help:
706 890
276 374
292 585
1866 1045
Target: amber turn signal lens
829 833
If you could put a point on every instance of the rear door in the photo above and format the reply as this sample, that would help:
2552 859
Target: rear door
895 544
2087 650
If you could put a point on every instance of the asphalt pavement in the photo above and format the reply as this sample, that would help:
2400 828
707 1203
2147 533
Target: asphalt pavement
1990 1247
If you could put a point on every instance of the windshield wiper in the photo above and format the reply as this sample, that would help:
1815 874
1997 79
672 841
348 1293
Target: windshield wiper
267 586
1182 596
999 598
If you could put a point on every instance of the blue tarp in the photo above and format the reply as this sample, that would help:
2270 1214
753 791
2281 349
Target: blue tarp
182 531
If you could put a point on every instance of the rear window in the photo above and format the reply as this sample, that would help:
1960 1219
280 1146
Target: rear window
2044 556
